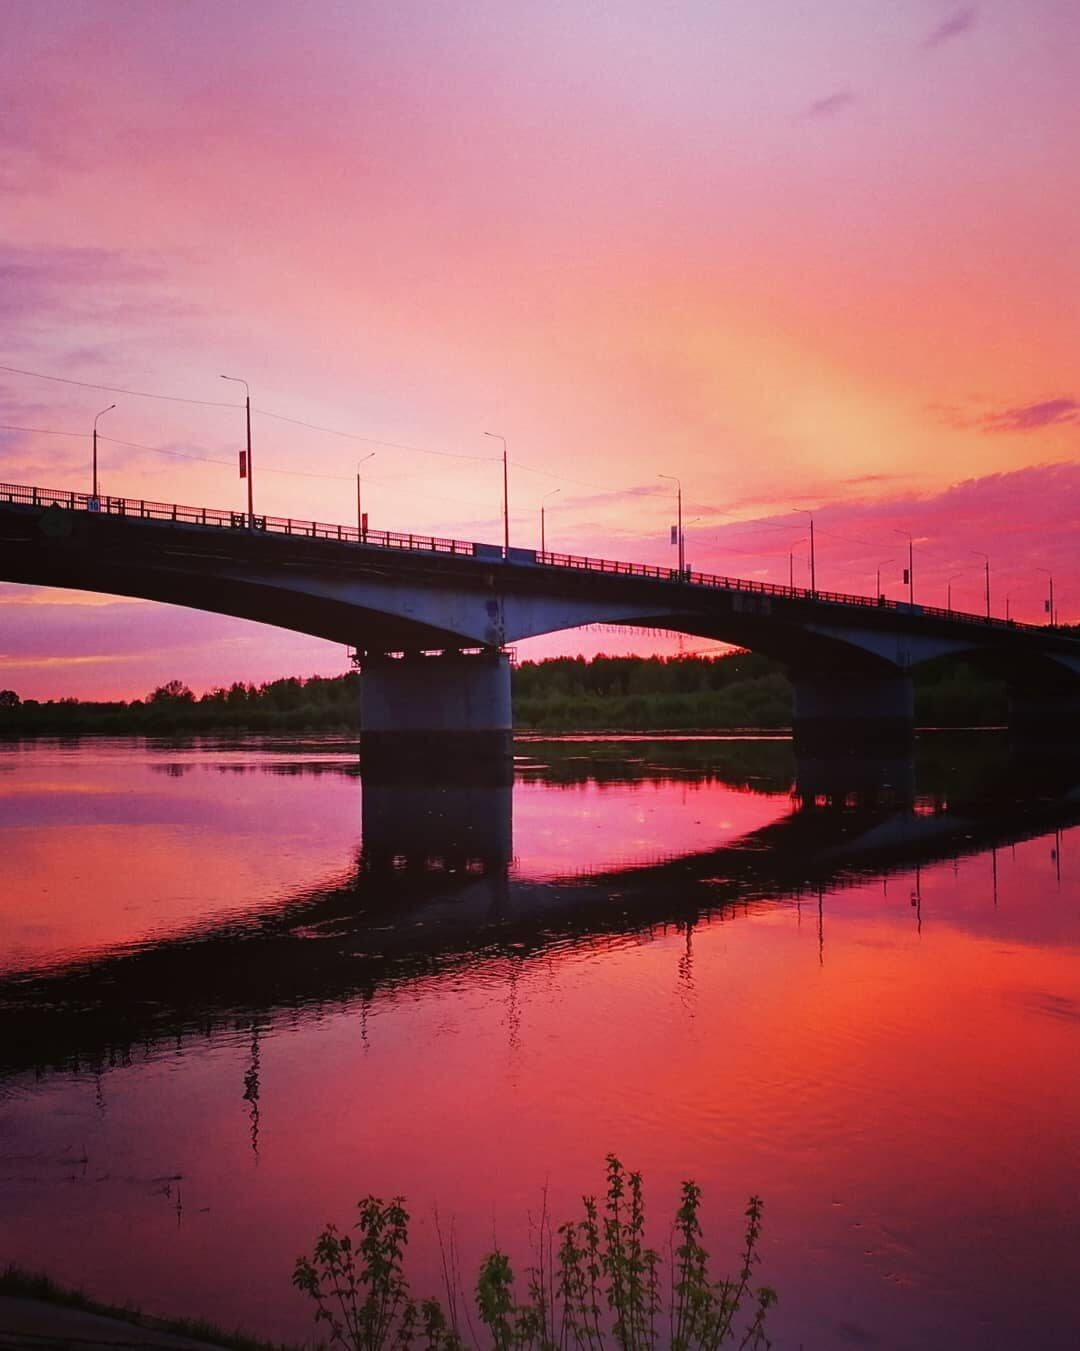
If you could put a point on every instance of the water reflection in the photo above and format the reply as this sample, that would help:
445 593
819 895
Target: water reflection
240 988
435 881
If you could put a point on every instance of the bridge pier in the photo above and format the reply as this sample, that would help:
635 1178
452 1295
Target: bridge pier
842 713
855 781
1044 719
452 828
442 716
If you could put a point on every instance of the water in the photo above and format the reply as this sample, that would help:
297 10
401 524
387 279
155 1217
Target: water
238 991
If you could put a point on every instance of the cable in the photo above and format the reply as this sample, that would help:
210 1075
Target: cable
39 431
374 440
115 389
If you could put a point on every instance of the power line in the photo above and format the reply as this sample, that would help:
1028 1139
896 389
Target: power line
39 431
116 389
374 440
228 464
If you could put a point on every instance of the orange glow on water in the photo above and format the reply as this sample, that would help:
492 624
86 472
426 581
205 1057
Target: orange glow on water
888 1065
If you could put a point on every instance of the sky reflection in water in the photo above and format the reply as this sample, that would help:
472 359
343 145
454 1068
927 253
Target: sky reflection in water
224 1017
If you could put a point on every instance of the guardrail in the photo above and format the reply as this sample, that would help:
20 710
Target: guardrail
20 495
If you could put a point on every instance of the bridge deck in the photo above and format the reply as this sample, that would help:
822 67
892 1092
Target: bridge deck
173 514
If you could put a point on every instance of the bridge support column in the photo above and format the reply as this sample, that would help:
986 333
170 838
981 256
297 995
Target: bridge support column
1044 719
845 713
445 716
855 780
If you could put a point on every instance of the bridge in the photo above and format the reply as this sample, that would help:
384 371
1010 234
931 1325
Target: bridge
431 617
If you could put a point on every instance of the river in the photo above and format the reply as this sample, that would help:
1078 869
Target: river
240 989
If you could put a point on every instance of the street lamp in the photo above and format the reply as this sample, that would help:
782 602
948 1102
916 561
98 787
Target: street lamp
361 532
246 470
543 540
506 495
877 593
986 558
813 562
681 541
791 562
948 590
910 564
93 476
1049 603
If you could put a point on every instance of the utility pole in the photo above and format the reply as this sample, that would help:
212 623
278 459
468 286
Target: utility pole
986 558
246 469
1049 604
543 537
910 565
93 475
360 531
506 494
679 529
805 511
882 564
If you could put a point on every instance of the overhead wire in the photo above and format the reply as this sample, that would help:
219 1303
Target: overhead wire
116 389
311 426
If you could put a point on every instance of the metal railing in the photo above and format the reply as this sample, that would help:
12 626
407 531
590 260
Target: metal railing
138 508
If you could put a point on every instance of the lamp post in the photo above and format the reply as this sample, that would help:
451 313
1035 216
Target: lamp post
93 473
910 564
681 541
948 590
506 494
361 532
882 564
248 472
1050 603
543 538
986 558
791 562
813 561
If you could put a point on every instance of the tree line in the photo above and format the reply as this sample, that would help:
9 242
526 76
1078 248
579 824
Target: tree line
560 694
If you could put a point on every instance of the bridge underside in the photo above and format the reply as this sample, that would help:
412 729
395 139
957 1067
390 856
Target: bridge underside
850 665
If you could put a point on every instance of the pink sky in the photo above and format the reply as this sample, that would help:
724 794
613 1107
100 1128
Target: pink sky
802 256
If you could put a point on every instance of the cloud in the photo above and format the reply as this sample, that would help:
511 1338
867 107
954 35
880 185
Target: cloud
1064 410
78 284
1032 417
831 103
960 22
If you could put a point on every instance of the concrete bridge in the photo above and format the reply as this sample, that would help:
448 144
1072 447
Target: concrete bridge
431 618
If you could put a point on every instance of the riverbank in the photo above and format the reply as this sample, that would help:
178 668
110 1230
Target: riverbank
36 1312
604 694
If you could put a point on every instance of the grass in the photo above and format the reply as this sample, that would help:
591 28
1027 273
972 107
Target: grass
16 1281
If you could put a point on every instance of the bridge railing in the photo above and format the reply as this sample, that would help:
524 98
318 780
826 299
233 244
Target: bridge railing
139 508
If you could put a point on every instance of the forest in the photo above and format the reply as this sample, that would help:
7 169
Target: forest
561 694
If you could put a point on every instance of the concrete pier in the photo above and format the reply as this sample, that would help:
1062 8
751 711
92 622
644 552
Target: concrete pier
441 715
859 713
855 781
1045 719
451 828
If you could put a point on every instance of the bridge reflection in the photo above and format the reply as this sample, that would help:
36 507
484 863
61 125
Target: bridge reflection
436 887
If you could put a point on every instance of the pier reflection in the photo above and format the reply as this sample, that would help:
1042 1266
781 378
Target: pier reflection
436 882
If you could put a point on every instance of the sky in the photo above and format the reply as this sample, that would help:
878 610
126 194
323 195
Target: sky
799 256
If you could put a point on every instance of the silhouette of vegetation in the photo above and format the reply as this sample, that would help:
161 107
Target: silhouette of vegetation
564 694
594 1284
15 1281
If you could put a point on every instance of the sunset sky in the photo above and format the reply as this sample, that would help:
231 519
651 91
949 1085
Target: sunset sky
821 256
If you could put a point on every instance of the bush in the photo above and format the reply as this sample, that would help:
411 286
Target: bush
603 1288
